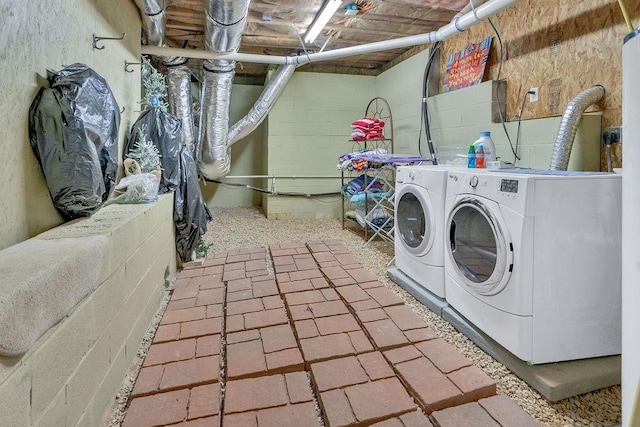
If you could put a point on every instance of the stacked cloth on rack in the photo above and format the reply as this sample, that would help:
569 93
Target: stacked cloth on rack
360 183
367 128
363 192
354 161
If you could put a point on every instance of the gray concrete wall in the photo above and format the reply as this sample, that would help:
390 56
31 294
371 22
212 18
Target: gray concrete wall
34 37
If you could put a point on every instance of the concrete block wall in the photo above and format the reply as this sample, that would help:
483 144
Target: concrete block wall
401 86
458 117
309 125
308 128
71 375
37 36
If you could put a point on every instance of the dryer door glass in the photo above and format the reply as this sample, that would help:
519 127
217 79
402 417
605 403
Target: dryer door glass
473 243
410 220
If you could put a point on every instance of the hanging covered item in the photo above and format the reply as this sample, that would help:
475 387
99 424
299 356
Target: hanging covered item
164 131
73 130
190 213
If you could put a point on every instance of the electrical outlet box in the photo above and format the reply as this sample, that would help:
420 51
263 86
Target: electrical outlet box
612 135
533 94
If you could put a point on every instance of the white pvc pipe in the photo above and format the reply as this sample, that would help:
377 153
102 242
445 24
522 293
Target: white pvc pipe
631 230
456 26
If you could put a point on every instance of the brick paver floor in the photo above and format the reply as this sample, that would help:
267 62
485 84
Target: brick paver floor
302 335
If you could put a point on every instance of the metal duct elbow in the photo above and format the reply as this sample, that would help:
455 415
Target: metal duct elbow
263 105
569 125
153 21
215 156
179 99
224 22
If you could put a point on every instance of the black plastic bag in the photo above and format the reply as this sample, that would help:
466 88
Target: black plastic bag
164 130
190 213
179 174
73 130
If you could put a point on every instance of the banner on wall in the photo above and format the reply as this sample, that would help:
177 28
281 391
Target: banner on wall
466 68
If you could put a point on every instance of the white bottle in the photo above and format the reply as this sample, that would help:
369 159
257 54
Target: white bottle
488 145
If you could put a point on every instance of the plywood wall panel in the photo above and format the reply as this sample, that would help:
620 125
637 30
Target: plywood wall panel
561 47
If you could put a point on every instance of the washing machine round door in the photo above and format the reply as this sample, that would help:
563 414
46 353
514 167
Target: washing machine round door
414 220
479 246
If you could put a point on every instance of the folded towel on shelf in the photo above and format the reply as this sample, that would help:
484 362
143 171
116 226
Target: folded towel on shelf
367 128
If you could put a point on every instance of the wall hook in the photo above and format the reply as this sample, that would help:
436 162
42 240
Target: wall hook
127 64
123 108
96 39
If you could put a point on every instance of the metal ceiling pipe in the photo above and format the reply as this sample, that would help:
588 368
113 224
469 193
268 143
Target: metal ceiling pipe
569 126
484 11
263 105
179 100
153 21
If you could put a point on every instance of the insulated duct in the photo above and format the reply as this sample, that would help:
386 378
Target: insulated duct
569 125
179 99
225 21
153 21
263 105
215 160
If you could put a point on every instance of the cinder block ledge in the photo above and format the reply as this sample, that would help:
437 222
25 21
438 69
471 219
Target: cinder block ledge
40 283
75 303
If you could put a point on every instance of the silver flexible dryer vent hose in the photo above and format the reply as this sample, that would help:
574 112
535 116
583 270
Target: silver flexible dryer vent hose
569 126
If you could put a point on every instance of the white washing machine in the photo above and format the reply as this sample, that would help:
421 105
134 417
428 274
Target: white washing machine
533 260
419 224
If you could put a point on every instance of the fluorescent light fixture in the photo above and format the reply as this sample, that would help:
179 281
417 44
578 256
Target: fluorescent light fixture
328 9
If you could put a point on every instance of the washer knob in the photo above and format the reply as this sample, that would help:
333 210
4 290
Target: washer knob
412 174
473 182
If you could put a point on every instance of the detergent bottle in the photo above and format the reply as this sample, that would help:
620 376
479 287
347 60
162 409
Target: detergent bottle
471 157
480 164
488 145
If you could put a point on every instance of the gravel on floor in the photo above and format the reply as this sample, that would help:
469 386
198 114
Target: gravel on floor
240 227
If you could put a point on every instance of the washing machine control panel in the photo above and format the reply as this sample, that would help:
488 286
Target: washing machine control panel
507 187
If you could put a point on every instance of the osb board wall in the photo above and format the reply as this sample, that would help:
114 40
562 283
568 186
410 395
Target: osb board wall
561 47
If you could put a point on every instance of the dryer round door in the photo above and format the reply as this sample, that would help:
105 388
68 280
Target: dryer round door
479 245
414 218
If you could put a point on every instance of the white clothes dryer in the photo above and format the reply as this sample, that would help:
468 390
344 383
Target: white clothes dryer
419 224
533 260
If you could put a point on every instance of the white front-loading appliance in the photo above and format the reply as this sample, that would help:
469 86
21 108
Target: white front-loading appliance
419 225
533 260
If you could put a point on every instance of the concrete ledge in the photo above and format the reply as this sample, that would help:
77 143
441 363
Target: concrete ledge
55 276
73 371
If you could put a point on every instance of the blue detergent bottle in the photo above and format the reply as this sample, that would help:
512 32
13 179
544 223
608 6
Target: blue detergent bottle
471 157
